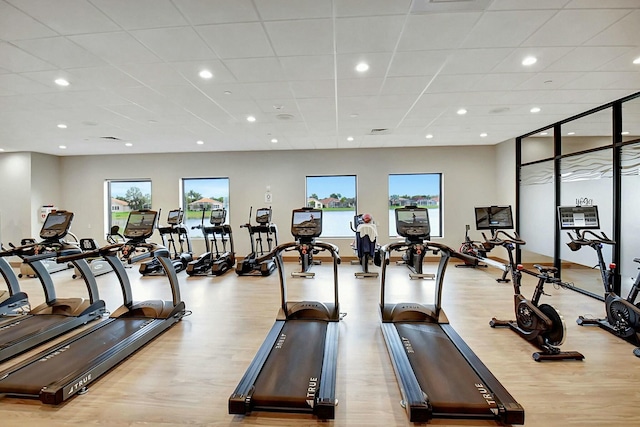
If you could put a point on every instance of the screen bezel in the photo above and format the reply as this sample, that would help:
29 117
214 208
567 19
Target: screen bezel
174 217
137 232
217 220
413 230
263 212
310 231
575 209
61 228
489 212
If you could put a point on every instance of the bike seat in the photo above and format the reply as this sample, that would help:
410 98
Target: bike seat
545 269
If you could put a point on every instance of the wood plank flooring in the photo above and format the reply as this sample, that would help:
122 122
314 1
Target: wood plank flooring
185 376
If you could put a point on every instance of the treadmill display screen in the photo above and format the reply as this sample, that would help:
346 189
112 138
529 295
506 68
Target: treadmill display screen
413 222
494 218
306 223
140 224
174 217
263 216
218 216
578 217
57 224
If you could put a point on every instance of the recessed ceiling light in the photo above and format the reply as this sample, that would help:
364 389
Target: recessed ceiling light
483 135
274 140
199 142
349 138
535 110
571 133
251 119
637 60
429 136
205 74
529 60
62 147
625 133
128 144
62 126
544 133
462 111
61 82
362 67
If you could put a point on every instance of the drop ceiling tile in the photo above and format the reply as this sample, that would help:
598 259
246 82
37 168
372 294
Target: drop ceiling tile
504 29
317 67
115 48
271 10
67 16
587 58
217 11
19 84
371 7
60 52
405 85
175 44
625 31
475 61
417 63
138 14
314 89
437 31
378 65
189 70
256 69
17 25
527 4
301 37
241 40
371 34
16 60
359 87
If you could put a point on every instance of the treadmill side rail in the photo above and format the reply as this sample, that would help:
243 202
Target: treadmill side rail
325 407
240 400
415 400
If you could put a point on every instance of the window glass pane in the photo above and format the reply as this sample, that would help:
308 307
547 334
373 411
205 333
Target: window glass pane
336 196
537 212
126 196
200 196
631 120
423 190
629 207
585 133
538 147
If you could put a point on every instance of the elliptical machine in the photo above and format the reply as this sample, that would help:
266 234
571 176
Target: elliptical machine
623 314
179 256
365 243
306 249
540 324
250 265
216 263
414 256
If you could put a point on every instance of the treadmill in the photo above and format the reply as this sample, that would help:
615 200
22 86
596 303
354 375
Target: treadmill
55 316
438 374
67 368
13 302
295 368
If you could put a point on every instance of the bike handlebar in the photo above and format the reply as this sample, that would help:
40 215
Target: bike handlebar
582 240
496 240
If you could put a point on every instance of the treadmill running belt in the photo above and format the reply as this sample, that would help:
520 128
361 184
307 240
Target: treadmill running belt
30 325
451 384
57 365
293 367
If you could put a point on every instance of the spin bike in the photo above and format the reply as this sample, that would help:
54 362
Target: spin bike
623 314
267 265
472 248
540 324
214 262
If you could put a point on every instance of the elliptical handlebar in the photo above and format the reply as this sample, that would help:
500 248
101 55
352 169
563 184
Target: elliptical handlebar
284 247
105 250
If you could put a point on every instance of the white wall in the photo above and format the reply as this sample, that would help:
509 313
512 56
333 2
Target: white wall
469 179
15 197
45 187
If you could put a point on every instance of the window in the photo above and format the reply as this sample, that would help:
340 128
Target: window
336 196
199 197
124 197
423 190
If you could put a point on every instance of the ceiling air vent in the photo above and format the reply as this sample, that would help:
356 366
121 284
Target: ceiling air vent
379 131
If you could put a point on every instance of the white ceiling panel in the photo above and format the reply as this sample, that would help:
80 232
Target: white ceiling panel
60 52
437 31
271 10
17 25
587 58
505 29
175 44
115 48
16 60
138 14
373 34
302 37
318 67
217 11
242 40
256 69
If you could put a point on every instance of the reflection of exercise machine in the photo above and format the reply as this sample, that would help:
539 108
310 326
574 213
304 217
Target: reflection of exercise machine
540 324
50 265
438 374
365 243
217 262
180 257
69 367
623 314
56 315
295 368
99 266
249 266
306 249
413 256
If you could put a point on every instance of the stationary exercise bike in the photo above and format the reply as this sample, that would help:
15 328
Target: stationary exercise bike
540 324
623 315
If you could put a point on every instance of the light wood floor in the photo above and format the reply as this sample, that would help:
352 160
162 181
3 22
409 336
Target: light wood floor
186 375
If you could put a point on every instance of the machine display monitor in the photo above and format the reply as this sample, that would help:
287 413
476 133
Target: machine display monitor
263 216
494 218
174 217
578 217
140 224
306 223
218 216
56 225
413 222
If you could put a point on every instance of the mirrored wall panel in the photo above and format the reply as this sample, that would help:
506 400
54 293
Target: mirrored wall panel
537 207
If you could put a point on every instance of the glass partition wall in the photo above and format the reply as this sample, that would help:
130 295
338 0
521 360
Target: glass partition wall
589 159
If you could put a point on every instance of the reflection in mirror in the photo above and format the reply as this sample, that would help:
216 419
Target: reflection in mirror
585 133
537 147
630 224
586 179
537 213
